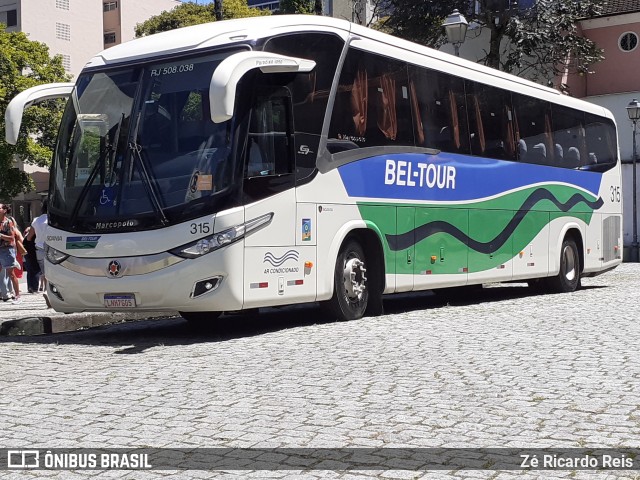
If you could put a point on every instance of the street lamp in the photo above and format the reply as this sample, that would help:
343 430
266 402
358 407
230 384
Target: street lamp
633 110
456 28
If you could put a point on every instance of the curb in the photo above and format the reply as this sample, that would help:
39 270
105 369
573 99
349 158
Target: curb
29 326
26 326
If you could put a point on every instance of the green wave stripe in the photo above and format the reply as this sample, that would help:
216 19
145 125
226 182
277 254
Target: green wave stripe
481 221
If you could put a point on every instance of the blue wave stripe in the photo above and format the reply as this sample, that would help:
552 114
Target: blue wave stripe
475 177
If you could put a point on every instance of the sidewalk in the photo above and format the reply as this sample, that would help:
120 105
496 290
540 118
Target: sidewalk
32 316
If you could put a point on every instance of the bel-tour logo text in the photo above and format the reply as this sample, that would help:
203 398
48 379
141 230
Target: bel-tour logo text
429 175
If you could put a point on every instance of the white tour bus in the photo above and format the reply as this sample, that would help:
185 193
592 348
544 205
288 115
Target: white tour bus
286 159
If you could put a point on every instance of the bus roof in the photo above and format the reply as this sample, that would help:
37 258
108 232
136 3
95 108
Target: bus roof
245 30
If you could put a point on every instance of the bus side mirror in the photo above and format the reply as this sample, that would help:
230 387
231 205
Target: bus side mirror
15 109
222 90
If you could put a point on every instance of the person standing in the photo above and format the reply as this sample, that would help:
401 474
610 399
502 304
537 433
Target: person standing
7 252
16 273
39 232
31 260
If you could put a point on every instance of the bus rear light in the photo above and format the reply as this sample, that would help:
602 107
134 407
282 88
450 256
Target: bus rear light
308 264
221 239
259 285
291 283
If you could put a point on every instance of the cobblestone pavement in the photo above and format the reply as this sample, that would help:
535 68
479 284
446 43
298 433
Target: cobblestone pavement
506 368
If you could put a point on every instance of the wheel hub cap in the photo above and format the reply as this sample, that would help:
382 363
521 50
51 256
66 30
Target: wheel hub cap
354 278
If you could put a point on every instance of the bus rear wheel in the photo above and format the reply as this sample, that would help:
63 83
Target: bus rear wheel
568 279
200 318
350 286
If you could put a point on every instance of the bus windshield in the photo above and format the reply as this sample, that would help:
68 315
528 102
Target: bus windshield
137 149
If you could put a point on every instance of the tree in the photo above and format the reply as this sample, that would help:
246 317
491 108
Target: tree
297 6
539 42
190 13
24 64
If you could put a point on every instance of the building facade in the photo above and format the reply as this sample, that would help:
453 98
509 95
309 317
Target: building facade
614 83
362 12
78 29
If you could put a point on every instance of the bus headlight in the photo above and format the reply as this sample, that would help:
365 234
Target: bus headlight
53 255
218 240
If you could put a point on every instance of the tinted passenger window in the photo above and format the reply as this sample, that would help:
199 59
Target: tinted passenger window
533 130
438 110
310 91
600 143
268 145
372 104
569 136
491 125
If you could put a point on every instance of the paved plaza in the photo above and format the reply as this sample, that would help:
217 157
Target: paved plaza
503 368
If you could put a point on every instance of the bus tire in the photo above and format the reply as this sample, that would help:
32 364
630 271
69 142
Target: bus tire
200 318
568 279
350 287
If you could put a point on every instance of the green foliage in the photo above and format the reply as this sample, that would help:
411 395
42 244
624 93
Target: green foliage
297 6
189 13
536 43
24 64
541 44
419 21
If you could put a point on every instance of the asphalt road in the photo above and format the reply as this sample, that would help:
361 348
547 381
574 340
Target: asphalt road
502 368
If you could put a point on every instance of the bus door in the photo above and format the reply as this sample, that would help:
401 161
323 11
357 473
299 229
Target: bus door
274 265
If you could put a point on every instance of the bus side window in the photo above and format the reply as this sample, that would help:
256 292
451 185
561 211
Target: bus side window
268 140
491 128
599 135
567 134
372 105
268 149
438 110
534 131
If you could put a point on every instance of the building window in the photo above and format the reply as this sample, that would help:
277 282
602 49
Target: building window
12 18
628 41
108 6
62 4
66 62
109 37
63 31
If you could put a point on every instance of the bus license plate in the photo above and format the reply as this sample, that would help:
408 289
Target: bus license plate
121 300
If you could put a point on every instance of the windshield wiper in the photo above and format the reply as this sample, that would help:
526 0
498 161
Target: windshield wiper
88 184
136 150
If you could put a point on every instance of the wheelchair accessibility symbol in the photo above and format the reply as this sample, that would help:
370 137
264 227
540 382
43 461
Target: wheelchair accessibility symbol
104 199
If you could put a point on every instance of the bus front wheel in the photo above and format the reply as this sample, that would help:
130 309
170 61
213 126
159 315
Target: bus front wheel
568 279
350 285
